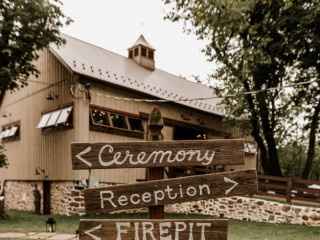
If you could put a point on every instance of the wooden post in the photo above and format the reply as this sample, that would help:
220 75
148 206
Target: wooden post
155 125
289 188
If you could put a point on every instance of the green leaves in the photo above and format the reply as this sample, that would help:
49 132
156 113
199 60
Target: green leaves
26 27
261 44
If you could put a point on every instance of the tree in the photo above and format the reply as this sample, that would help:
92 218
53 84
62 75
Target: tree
315 173
26 27
292 155
305 38
252 42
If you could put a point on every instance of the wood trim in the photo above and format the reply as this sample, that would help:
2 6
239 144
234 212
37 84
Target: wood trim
173 123
111 129
117 131
116 111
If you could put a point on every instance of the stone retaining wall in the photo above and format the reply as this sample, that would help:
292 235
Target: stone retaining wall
67 199
19 195
251 209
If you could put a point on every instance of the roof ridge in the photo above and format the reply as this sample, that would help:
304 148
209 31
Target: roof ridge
158 83
94 45
156 69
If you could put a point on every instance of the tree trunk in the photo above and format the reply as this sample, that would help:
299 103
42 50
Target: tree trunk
312 142
268 133
254 120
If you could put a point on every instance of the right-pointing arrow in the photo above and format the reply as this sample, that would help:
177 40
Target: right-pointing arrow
83 152
89 232
228 180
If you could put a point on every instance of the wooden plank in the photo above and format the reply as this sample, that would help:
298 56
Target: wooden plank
272 178
142 229
169 191
272 186
144 154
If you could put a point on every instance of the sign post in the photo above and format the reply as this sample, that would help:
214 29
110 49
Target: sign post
156 192
148 154
155 125
170 191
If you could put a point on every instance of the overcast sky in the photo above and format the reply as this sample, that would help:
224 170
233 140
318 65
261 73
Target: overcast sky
116 24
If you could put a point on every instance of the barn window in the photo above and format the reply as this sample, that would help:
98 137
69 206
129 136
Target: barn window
130 53
135 124
143 51
99 117
136 52
58 118
115 122
118 121
150 54
10 132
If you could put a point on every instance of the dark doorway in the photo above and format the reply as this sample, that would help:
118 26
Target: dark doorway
46 197
188 133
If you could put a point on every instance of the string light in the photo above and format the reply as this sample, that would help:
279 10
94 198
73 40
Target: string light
203 98
148 100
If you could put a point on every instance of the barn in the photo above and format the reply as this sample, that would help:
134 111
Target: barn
88 94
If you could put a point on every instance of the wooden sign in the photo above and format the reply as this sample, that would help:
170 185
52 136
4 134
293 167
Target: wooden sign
169 191
114 229
157 154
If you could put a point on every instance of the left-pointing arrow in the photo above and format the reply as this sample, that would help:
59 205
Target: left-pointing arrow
83 152
89 232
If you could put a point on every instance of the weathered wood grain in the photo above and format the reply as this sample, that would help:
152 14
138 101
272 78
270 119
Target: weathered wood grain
168 191
155 126
146 154
143 229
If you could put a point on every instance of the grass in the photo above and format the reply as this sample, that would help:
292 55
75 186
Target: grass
27 222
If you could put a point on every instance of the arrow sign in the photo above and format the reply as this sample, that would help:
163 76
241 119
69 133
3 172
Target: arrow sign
90 231
170 191
80 156
228 180
146 154
150 229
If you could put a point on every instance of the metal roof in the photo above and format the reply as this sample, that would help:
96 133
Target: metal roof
96 62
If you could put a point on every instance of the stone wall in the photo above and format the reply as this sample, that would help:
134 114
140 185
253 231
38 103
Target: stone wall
66 196
251 209
19 194
67 199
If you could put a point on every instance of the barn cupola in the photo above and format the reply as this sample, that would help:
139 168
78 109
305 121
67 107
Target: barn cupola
142 53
